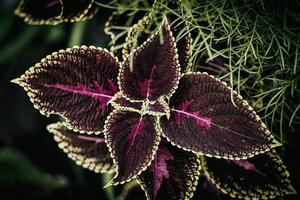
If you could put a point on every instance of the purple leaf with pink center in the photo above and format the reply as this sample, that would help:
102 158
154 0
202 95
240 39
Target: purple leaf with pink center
261 177
77 83
133 140
86 150
204 120
139 33
173 174
152 70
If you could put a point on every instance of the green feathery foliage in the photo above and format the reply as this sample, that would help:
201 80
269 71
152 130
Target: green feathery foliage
251 44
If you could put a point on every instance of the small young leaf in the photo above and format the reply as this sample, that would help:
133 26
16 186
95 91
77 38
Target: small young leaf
86 150
157 108
261 177
119 101
152 70
76 83
53 12
205 120
133 141
173 174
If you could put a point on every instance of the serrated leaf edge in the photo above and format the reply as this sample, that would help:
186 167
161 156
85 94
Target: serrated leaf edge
245 194
271 138
106 168
57 20
48 61
189 193
112 153
136 51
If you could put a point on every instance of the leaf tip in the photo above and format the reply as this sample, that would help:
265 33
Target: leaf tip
291 191
275 144
16 81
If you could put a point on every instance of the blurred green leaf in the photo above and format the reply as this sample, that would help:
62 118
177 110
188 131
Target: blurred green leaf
18 173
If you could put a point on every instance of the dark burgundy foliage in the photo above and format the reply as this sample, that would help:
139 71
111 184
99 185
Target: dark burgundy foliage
260 177
152 70
55 11
204 119
39 10
89 151
134 140
183 42
142 30
207 190
75 8
77 84
134 105
173 174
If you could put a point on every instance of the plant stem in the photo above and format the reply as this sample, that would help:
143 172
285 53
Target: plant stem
77 34
109 191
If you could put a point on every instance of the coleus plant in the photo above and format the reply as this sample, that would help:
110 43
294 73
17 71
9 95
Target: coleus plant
52 12
174 173
131 106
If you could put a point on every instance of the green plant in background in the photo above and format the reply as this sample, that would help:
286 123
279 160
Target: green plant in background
253 45
249 44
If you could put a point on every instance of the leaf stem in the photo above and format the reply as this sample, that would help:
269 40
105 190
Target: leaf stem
109 191
77 34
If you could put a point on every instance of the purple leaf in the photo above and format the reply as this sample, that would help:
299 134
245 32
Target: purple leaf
157 108
152 70
121 102
86 150
159 168
262 177
204 120
139 32
245 164
78 10
133 140
53 12
76 83
183 41
173 174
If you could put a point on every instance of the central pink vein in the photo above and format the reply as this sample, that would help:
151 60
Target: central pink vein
182 110
91 139
98 93
159 168
136 129
246 165
145 86
53 3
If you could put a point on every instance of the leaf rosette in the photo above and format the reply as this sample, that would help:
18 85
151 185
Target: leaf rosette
153 117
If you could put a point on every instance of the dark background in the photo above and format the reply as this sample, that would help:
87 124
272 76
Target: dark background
31 164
